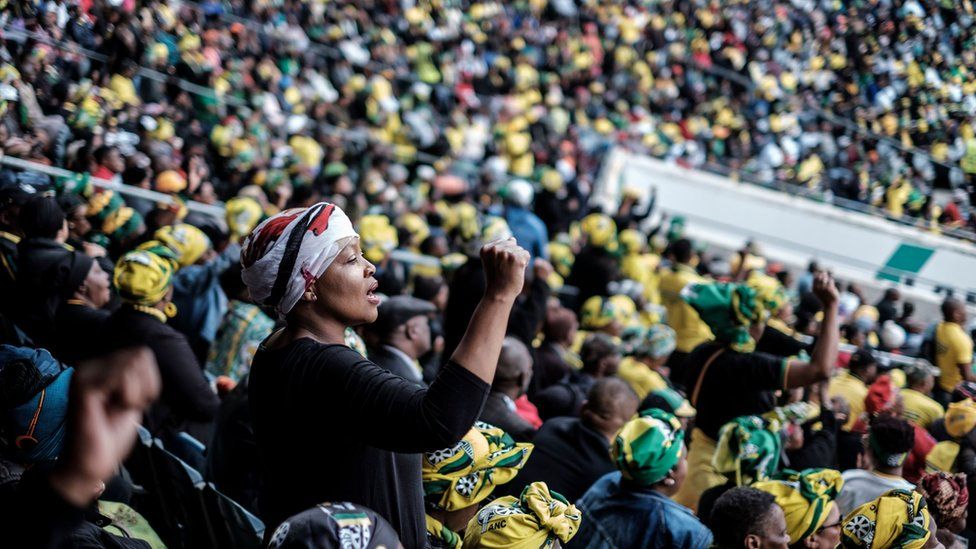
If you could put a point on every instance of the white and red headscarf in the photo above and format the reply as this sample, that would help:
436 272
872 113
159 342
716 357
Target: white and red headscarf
284 255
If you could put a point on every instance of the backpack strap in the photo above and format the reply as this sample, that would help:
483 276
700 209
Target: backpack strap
701 376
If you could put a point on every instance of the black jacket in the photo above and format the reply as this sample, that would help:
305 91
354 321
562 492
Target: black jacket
569 457
497 413
186 398
386 359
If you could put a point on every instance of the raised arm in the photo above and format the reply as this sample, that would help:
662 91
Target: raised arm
505 263
824 356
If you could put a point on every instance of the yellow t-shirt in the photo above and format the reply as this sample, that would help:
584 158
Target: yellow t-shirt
690 329
920 409
640 377
953 347
851 389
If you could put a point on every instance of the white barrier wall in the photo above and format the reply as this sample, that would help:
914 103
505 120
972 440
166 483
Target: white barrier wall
794 229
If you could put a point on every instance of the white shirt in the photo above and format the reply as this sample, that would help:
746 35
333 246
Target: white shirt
862 486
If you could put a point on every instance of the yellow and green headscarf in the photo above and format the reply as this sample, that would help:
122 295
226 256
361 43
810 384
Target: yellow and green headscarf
185 240
562 258
122 224
899 518
465 474
648 447
243 214
728 310
769 291
377 237
748 449
806 498
534 520
599 229
597 312
142 277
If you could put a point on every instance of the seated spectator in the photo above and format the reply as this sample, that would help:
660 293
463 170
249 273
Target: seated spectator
897 518
144 282
458 478
335 526
572 453
402 330
632 507
200 302
919 407
889 440
512 378
748 451
537 518
600 357
948 499
645 370
813 519
671 402
746 518
241 331
554 359
852 386
81 318
884 397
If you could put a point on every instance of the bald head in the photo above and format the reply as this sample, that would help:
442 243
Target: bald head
609 405
953 310
514 365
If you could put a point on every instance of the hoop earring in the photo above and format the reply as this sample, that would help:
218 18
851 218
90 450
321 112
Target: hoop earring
170 310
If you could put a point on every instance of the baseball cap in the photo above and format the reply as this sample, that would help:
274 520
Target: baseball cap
397 310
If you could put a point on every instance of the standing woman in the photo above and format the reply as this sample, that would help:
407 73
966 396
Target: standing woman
331 425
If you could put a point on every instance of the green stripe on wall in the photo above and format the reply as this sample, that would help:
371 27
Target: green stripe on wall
907 259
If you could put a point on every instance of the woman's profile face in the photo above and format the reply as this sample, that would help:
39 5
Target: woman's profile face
346 291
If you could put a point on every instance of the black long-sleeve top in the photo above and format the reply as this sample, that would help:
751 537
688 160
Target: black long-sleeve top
186 397
332 426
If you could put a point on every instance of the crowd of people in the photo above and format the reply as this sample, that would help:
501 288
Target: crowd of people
546 374
869 102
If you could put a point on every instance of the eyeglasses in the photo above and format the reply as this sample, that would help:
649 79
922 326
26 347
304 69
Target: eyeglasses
826 526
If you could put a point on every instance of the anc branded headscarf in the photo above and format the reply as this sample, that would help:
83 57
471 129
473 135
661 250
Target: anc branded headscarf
960 418
142 277
729 310
466 473
533 521
806 498
599 229
899 518
122 224
243 214
748 449
331 525
185 240
286 253
769 291
648 447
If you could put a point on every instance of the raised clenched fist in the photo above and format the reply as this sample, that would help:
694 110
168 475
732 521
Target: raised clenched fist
825 289
505 263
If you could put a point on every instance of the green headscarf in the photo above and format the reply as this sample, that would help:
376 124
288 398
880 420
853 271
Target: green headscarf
749 448
648 447
729 310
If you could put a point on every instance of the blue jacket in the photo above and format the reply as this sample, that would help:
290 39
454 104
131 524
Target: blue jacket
529 231
619 516
200 301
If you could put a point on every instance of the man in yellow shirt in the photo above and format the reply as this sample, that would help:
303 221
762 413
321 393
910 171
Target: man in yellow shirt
953 349
645 369
852 384
688 326
918 407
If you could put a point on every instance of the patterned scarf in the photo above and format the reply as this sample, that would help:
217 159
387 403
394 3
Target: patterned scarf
533 521
729 310
648 447
805 498
899 518
748 449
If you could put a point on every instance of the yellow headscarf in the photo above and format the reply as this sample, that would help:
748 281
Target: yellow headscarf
597 312
806 499
599 229
465 474
186 241
899 518
142 277
533 521
377 237
243 214
960 418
